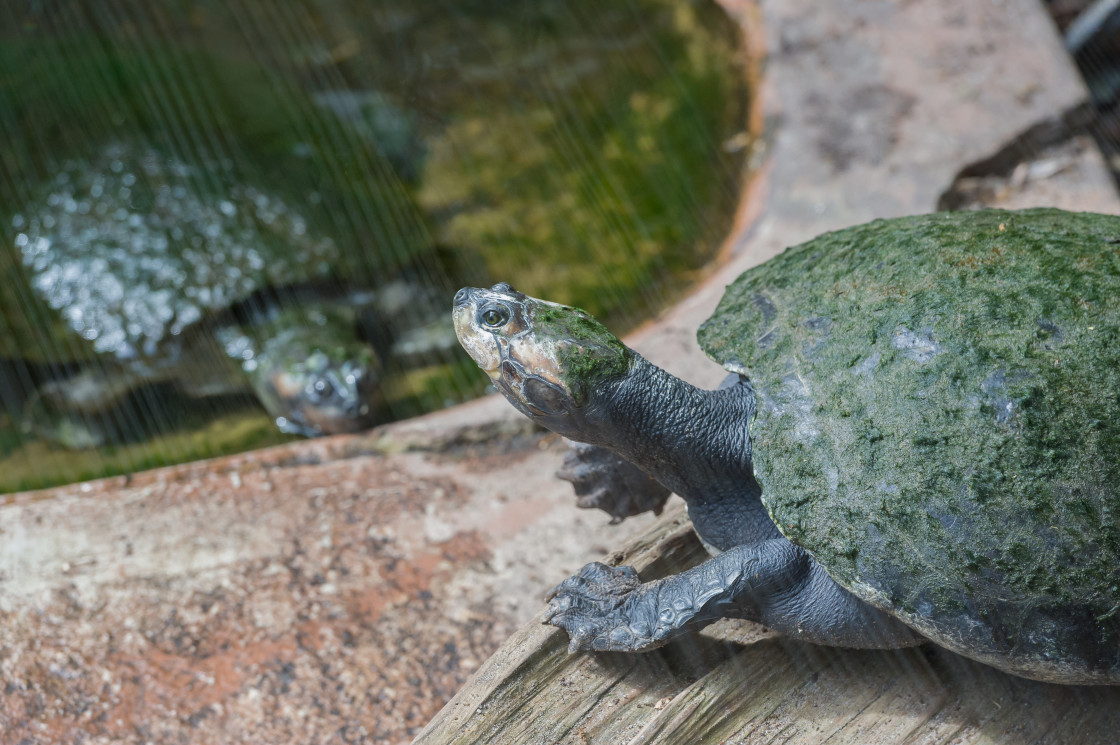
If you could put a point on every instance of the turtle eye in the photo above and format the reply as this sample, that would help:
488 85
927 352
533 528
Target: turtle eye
322 389
494 316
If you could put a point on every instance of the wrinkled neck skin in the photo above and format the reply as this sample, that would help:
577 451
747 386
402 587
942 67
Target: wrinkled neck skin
695 442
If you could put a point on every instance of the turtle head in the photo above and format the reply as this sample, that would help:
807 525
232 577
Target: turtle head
317 378
547 359
327 394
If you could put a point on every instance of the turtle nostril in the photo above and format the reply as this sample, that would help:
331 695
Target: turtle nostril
461 296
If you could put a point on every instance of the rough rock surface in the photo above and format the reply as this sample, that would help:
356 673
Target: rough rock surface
319 592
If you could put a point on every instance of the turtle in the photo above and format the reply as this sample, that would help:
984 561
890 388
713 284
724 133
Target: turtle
918 441
175 274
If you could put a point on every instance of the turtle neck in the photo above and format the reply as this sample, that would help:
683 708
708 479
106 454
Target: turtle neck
693 441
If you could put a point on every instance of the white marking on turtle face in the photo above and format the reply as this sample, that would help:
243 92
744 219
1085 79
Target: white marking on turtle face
480 345
537 355
288 386
517 340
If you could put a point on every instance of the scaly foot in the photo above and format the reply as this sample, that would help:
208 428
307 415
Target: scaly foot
610 483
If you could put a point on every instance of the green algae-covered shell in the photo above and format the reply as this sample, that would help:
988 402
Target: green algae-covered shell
939 424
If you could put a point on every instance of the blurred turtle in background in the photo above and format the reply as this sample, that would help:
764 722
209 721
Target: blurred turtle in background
178 276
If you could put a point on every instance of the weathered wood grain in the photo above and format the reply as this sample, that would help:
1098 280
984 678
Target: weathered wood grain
738 683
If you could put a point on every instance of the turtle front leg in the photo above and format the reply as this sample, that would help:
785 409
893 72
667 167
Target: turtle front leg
773 582
607 481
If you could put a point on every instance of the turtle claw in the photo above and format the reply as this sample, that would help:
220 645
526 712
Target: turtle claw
603 608
579 640
556 608
608 482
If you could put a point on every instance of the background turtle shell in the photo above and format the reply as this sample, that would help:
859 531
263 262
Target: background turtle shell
939 424
134 246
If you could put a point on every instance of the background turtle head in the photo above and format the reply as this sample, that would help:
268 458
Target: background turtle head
316 377
547 359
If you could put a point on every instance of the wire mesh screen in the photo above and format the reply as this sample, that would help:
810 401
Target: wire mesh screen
229 224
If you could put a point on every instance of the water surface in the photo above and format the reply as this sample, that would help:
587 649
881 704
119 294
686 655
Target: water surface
584 151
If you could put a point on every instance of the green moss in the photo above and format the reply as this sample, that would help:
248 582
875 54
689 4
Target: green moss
37 464
983 350
608 164
588 353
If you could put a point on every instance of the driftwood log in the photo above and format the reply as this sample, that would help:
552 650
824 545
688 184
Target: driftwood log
737 683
